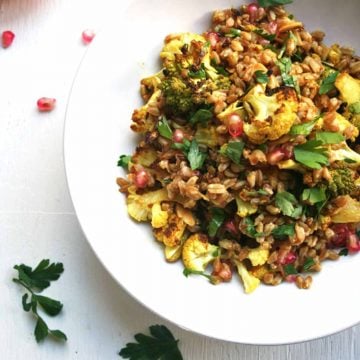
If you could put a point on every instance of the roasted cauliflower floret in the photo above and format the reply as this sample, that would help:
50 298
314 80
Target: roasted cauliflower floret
349 212
171 233
250 281
150 84
140 206
245 208
348 87
159 217
258 256
234 108
343 153
270 117
197 252
143 118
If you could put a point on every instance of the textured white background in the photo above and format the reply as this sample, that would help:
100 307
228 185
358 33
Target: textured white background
37 219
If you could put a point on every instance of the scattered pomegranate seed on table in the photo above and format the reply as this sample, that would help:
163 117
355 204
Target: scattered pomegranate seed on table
87 36
46 104
7 38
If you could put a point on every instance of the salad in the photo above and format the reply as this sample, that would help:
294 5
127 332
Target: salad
248 157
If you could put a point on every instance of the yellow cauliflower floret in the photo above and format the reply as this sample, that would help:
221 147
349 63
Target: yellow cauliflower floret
258 256
270 117
144 157
140 206
349 212
259 271
245 208
250 281
348 87
231 109
197 252
173 253
159 217
171 233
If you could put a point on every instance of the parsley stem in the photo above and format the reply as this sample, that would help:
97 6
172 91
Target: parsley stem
24 285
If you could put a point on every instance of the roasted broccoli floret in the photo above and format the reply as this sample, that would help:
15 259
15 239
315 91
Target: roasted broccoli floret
342 182
178 95
270 117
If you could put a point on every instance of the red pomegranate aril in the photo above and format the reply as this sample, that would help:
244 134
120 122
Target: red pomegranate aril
213 38
289 258
87 36
46 104
231 227
141 179
252 11
7 38
178 136
275 156
353 243
290 278
235 125
342 234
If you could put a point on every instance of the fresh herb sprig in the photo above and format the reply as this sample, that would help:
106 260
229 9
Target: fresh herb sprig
192 151
267 3
217 219
35 281
160 345
328 83
288 204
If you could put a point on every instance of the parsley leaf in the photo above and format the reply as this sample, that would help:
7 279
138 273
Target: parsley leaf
261 77
328 83
233 33
234 150
217 218
198 74
284 65
288 204
355 108
314 195
290 269
250 228
34 281
267 3
265 35
284 231
311 154
188 272
328 137
202 115
308 264
195 156
344 252
124 161
164 128
304 128
160 345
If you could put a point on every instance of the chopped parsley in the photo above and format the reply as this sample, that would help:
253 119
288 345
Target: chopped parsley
233 33
284 231
124 161
267 3
328 137
201 116
328 83
250 228
304 128
314 195
311 154
234 150
344 252
285 68
164 128
261 77
198 74
308 264
290 269
265 35
187 272
217 218
191 150
288 204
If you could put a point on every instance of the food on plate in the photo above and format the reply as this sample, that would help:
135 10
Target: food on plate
248 159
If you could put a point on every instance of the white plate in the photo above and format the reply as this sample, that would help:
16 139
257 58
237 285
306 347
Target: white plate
97 131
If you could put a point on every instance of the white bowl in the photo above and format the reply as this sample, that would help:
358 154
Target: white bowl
97 131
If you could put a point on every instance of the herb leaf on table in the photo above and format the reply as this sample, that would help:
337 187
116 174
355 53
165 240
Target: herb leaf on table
35 281
160 345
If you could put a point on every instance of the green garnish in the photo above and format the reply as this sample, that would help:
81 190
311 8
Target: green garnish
198 74
187 272
234 150
290 269
344 252
195 156
308 264
261 77
328 83
311 154
233 33
288 204
314 195
250 228
201 116
355 108
267 3
160 345
164 128
284 231
219 69
305 128
265 35
124 161
328 137
217 218
285 68
35 281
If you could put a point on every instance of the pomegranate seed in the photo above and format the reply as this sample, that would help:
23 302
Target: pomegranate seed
46 104
235 125
353 243
342 234
290 278
231 227
87 36
275 156
141 179
288 151
178 136
213 38
289 258
7 38
252 10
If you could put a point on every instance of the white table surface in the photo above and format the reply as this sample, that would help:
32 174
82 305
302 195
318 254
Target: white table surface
37 219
